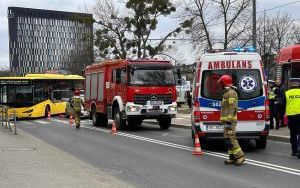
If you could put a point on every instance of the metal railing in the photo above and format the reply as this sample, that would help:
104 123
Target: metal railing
8 118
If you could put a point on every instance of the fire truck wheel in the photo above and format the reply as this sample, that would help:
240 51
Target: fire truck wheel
95 117
164 122
120 123
103 120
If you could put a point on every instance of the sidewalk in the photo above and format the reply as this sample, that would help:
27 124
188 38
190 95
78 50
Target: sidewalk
184 121
28 162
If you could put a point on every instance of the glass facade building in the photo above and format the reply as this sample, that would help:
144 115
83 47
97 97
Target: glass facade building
47 40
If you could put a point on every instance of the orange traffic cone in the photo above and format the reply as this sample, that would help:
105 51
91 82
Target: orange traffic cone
49 115
197 151
71 120
113 128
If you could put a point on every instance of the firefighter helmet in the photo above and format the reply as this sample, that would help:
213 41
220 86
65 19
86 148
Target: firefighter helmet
225 80
77 92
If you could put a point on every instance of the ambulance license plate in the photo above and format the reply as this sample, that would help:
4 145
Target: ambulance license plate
215 127
156 103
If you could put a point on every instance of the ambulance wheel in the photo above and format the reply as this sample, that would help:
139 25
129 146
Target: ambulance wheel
261 143
120 123
164 122
95 116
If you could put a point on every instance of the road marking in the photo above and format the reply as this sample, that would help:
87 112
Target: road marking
216 154
27 122
60 121
165 134
42 122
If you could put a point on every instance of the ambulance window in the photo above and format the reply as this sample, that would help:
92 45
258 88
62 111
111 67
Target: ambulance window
247 81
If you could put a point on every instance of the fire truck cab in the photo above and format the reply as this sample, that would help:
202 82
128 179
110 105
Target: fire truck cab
129 91
288 64
253 108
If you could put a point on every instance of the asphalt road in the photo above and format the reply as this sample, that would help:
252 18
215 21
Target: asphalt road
150 157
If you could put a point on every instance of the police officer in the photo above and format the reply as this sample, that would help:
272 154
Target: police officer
76 103
291 102
273 99
229 106
278 103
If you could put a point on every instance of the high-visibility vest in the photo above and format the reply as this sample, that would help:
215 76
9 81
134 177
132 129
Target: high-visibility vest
272 94
292 102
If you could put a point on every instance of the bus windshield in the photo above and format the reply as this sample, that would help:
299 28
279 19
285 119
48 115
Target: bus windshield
151 77
22 92
248 83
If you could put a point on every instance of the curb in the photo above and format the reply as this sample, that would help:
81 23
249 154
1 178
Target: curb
270 136
279 138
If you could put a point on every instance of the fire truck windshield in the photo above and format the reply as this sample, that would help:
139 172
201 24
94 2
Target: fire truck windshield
152 77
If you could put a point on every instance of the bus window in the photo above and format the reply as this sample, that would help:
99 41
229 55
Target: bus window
61 95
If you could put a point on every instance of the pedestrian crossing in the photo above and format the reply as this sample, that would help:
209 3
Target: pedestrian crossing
83 121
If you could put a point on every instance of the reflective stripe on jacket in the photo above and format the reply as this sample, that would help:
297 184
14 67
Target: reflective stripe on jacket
272 94
229 105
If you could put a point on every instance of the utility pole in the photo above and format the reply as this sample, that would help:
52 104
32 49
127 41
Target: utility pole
254 24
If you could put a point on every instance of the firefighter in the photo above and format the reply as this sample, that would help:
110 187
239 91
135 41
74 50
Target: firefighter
229 106
291 101
76 103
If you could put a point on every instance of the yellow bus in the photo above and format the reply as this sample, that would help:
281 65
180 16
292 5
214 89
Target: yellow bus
37 95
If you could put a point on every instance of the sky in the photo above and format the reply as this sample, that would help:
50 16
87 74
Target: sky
165 25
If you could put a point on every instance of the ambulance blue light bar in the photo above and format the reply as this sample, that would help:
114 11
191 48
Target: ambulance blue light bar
245 49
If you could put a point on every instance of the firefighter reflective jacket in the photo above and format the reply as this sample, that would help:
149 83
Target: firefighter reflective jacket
229 105
292 102
272 94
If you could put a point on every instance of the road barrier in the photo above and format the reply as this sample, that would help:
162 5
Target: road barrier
8 118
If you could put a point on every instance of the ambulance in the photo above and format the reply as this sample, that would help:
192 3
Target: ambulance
246 69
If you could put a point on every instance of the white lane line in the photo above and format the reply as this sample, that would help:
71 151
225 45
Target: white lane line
42 122
216 154
26 122
165 134
60 121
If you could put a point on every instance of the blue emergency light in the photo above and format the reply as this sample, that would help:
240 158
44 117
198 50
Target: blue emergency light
244 49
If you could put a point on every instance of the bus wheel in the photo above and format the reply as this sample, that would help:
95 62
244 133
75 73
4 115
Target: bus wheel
47 110
261 143
164 122
120 123
95 117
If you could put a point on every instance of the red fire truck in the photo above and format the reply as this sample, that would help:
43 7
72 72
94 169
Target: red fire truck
288 64
129 91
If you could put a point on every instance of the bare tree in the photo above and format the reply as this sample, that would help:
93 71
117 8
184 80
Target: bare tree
282 25
209 15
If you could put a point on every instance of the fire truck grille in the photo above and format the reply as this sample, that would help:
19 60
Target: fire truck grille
142 99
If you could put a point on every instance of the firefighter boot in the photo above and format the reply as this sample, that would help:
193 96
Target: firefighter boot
231 160
240 161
